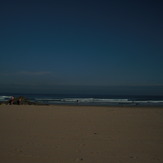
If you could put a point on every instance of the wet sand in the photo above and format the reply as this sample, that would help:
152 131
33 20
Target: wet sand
88 134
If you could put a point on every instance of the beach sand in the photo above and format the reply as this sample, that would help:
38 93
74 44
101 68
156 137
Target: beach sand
88 134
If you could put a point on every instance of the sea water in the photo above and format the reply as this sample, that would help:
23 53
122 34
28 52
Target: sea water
75 99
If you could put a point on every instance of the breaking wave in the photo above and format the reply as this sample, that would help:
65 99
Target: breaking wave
91 100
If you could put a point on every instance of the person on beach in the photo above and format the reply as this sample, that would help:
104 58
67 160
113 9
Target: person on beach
19 100
12 100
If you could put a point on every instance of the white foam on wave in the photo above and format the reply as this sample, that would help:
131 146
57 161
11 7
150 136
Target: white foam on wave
112 100
96 100
47 99
4 98
78 99
150 101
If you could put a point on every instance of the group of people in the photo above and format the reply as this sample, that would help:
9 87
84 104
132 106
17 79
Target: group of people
12 100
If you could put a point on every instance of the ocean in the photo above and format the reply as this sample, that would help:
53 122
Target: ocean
99 100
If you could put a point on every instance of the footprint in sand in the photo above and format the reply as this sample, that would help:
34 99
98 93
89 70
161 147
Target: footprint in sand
79 159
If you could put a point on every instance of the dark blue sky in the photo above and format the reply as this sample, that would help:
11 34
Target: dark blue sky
57 46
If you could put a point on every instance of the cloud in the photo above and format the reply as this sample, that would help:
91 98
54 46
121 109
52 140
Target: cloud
35 73
28 73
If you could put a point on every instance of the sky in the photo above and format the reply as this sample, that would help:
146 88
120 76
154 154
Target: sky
92 46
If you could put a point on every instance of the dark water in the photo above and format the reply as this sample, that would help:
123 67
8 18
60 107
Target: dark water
74 99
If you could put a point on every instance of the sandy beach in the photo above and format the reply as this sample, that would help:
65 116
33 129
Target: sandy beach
90 134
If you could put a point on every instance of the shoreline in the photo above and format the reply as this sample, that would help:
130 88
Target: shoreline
84 105
85 100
